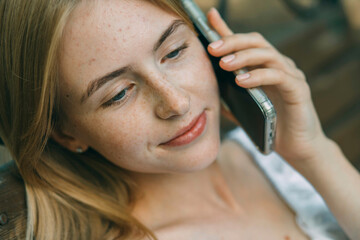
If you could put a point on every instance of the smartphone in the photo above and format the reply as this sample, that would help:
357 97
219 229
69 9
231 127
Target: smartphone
251 107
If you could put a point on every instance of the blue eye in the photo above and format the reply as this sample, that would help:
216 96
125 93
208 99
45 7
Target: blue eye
120 97
173 54
176 53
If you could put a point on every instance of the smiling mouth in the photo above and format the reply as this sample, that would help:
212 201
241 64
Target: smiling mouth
189 133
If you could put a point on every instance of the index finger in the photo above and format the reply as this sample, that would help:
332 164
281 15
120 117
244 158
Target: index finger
218 23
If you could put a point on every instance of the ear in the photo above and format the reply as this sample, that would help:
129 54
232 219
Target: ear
68 141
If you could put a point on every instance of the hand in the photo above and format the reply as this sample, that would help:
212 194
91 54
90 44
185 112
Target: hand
299 133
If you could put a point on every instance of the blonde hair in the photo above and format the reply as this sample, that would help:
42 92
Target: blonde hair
69 196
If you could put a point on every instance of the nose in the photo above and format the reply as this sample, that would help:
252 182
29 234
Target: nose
172 100
172 104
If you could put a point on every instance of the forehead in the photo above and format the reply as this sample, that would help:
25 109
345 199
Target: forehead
111 30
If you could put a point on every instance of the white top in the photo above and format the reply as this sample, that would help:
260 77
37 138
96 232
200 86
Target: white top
312 214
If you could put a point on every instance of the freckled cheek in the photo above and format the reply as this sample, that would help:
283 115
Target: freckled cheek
129 153
120 139
201 74
207 68
123 147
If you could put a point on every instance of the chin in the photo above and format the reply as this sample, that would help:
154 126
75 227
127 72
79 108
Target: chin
205 151
199 156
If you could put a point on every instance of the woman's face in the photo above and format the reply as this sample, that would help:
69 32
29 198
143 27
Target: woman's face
137 86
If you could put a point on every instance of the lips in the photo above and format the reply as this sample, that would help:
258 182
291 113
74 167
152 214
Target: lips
189 133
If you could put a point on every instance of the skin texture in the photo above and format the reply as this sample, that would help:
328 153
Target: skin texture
184 191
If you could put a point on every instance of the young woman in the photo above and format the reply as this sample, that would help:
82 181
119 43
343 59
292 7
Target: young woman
111 111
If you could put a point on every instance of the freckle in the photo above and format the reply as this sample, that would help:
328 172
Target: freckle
287 238
109 25
115 38
67 95
91 61
143 102
119 30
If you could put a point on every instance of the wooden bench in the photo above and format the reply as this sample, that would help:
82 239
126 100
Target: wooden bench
12 203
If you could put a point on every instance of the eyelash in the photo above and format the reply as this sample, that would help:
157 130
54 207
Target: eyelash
124 96
180 50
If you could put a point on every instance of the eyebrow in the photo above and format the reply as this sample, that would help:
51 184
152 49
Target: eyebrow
99 82
170 30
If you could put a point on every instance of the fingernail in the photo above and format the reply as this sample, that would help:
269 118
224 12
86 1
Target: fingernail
216 44
242 77
228 58
212 9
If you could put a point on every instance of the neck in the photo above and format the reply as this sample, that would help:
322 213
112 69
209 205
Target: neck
182 195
